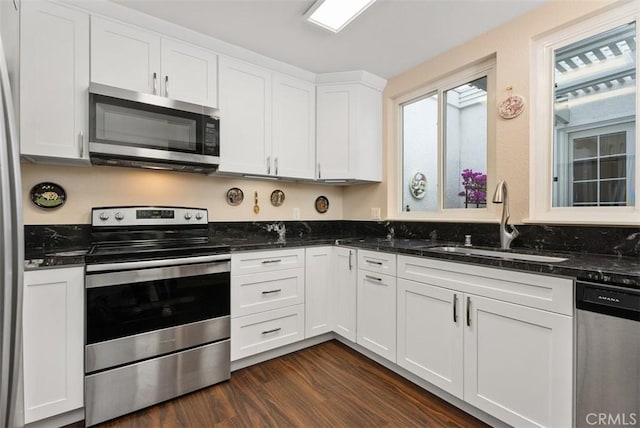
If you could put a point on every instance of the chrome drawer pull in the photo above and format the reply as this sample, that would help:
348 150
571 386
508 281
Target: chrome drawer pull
265 262
272 291
373 278
373 262
272 331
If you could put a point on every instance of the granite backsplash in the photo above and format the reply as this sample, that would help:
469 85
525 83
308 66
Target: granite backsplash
620 241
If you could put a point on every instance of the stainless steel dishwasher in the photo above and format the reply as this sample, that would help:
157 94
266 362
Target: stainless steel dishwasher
608 355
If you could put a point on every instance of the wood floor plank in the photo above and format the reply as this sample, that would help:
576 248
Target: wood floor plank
328 385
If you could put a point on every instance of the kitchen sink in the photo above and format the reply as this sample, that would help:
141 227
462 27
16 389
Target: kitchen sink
507 255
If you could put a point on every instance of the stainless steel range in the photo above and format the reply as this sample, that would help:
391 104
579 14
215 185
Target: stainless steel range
157 308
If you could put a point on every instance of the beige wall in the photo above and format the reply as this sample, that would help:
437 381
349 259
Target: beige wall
512 45
105 186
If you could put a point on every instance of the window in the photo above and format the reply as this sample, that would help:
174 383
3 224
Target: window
445 134
583 159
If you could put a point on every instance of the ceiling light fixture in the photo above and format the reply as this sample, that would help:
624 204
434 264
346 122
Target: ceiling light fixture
334 15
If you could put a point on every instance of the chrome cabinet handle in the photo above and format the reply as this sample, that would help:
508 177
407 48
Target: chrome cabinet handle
319 173
272 331
155 84
268 164
374 262
264 262
373 278
81 143
272 291
468 311
350 265
166 86
275 163
455 312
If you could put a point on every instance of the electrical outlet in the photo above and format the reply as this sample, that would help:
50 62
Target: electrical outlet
296 213
375 213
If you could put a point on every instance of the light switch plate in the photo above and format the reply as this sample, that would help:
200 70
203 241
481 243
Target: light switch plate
296 213
375 213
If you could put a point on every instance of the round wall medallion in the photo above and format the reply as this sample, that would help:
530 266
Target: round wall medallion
277 197
235 196
48 195
511 107
322 204
418 185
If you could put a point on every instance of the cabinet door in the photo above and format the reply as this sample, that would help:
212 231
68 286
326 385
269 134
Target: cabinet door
189 73
344 295
294 130
245 103
336 131
53 342
376 328
318 295
54 81
430 334
124 56
518 363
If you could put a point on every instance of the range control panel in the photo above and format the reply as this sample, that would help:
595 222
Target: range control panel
148 216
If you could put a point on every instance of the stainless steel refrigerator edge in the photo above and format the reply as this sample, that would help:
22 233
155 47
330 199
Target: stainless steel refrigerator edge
11 263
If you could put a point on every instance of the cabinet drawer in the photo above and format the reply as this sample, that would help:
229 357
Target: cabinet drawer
374 261
265 291
266 261
257 333
537 291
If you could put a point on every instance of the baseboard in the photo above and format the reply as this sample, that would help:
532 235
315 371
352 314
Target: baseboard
59 420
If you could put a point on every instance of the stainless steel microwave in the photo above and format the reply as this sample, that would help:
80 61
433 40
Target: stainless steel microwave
134 129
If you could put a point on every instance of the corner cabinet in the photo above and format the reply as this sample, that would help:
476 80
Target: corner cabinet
54 67
349 132
268 122
53 342
133 58
500 340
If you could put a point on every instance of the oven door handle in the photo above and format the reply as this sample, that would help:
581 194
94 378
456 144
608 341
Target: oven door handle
144 264
128 277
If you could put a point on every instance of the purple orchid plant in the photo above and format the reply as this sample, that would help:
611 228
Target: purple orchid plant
475 187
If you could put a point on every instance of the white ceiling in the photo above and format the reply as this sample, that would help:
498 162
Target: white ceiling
389 38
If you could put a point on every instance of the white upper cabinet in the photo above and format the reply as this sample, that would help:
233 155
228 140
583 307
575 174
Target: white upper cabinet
54 82
294 127
125 56
189 73
132 58
245 105
349 132
268 122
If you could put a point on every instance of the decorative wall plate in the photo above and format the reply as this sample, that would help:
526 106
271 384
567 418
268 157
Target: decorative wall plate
322 204
418 185
48 195
277 197
235 196
511 107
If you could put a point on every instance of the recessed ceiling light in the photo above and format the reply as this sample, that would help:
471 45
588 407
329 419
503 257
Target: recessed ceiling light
334 15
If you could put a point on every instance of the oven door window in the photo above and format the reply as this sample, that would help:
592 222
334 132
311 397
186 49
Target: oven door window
127 309
133 124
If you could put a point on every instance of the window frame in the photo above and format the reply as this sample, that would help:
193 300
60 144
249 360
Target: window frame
541 147
485 67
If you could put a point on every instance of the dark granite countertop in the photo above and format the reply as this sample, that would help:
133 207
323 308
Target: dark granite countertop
624 271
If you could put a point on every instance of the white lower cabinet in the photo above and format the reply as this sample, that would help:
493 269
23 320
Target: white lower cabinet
430 334
376 315
53 342
318 291
345 292
503 356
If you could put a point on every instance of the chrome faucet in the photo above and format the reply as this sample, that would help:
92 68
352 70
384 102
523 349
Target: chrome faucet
501 196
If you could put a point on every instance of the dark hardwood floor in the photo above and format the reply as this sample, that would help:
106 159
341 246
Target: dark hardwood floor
328 385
